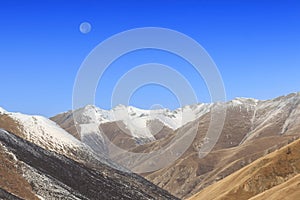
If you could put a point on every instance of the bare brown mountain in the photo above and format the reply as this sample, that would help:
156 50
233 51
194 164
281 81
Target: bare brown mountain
275 176
252 129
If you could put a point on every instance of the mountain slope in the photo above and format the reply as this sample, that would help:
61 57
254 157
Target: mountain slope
288 190
252 129
40 173
274 176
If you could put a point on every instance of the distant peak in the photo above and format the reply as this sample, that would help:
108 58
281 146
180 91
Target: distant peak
89 106
120 106
245 99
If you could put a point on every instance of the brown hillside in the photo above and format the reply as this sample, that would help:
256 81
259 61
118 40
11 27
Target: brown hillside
11 125
273 176
289 190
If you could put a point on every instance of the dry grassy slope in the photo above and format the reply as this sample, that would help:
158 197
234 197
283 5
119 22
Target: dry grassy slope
9 124
289 190
273 176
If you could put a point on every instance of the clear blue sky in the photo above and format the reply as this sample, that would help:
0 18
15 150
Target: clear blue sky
255 44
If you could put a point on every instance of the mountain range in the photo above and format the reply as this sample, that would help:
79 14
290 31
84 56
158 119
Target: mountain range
255 156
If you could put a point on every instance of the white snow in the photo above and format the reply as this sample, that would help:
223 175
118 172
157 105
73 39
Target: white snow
45 132
89 128
41 198
41 130
2 110
135 119
173 119
92 114
247 102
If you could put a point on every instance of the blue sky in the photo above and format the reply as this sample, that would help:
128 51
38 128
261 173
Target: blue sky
255 44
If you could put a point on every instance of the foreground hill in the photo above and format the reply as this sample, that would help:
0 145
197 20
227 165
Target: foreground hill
275 176
31 172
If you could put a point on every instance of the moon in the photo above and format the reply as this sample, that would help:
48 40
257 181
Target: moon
85 27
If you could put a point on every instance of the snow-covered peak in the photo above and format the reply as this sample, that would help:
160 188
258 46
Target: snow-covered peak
48 135
41 130
136 119
92 114
2 110
120 107
244 101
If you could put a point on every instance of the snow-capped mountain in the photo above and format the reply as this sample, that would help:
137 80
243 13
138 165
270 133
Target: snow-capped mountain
136 120
125 126
40 130
48 135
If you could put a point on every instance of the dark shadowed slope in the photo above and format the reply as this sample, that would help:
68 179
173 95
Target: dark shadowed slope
53 176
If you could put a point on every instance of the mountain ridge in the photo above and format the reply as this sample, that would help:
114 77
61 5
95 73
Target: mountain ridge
252 129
